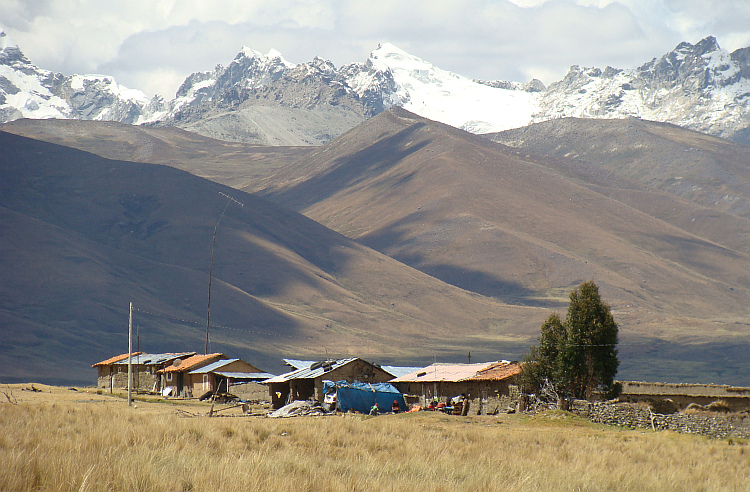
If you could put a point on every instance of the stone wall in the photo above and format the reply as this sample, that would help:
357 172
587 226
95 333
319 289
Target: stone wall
637 416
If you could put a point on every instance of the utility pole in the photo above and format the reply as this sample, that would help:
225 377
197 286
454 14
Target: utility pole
211 268
130 356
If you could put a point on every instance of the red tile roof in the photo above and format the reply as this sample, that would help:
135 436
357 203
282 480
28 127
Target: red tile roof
498 372
439 372
193 361
112 360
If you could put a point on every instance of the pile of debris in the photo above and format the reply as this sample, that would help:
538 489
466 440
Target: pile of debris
299 409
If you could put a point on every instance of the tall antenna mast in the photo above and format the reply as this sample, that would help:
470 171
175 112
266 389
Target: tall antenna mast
211 268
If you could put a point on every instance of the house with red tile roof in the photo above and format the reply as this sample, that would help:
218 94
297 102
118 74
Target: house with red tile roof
177 380
445 381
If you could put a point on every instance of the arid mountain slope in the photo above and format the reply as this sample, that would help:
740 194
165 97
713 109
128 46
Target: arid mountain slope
525 230
710 171
83 236
229 163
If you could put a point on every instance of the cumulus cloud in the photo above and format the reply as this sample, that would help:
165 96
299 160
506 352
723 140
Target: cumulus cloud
153 46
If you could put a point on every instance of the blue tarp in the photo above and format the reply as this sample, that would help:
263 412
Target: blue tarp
360 397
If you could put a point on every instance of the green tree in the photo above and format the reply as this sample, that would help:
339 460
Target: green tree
578 355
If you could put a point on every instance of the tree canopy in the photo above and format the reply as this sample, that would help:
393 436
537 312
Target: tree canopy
578 355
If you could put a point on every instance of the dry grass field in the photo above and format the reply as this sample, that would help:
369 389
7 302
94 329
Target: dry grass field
59 439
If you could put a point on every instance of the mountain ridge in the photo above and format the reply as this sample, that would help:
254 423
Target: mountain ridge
264 99
84 236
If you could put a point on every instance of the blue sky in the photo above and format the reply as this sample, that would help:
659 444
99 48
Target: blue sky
153 45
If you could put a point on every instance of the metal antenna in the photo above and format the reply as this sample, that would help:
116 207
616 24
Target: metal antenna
211 268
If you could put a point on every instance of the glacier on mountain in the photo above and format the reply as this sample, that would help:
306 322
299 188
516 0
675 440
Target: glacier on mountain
440 95
27 91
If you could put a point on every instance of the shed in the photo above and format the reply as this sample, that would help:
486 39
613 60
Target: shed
307 382
218 376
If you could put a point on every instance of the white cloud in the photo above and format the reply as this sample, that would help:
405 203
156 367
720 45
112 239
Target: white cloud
154 45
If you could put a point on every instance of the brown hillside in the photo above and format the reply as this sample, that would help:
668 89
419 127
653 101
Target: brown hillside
230 163
705 180
519 228
83 236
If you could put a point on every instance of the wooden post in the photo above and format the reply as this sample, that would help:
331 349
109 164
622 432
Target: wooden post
130 356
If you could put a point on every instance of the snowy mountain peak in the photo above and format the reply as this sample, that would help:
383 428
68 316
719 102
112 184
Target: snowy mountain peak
6 41
444 96
390 57
699 86
272 57
10 53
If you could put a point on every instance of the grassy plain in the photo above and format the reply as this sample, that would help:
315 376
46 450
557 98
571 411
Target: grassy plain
59 439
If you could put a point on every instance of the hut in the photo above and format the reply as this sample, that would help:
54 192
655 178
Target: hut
307 382
444 381
220 376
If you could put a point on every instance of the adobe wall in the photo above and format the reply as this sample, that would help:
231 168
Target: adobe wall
484 390
637 416
250 391
682 395
142 381
709 390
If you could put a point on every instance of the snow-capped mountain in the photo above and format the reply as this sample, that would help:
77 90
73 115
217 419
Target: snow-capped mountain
27 91
701 87
437 94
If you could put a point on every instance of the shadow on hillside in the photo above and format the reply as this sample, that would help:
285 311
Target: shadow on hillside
348 171
397 241
656 360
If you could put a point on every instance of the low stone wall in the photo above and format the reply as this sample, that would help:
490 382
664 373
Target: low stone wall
682 395
630 415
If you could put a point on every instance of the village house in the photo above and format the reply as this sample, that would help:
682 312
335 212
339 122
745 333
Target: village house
222 375
176 379
482 381
307 382
113 372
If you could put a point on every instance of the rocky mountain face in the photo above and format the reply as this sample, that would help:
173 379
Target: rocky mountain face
700 87
262 98
27 91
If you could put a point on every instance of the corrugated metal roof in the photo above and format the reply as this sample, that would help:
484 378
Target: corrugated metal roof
451 373
155 359
114 359
255 376
398 371
213 366
299 364
308 373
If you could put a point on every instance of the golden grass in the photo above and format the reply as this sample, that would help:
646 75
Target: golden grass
74 441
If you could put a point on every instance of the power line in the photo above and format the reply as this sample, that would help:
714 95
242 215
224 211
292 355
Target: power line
196 323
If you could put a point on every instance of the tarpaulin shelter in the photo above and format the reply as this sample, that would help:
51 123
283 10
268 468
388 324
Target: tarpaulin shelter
360 397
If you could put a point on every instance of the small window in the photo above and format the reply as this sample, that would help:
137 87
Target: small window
205 381
169 376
